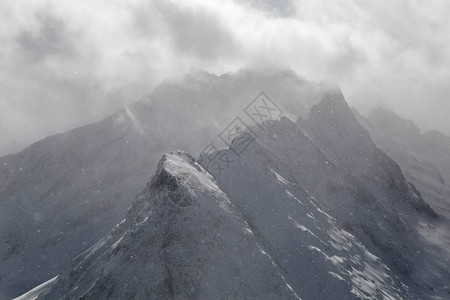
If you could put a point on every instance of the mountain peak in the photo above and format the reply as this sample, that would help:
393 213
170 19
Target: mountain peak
181 253
183 177
177 164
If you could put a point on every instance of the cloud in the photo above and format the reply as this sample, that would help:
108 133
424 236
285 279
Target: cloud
196 31
48 38
65 63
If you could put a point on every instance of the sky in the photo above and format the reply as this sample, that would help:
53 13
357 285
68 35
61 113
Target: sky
64 64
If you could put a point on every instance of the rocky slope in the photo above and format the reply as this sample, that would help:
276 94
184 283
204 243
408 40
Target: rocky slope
281 147
181 239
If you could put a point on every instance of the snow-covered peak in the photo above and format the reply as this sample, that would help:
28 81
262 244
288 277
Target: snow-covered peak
184 178
184 169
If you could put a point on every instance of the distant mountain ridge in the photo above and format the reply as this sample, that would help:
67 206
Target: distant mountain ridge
424 158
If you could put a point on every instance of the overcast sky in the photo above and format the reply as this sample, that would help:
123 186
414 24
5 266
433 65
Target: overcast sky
66 63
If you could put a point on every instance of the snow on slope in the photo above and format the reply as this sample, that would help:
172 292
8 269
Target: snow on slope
381 229
37 291
321 260
161 250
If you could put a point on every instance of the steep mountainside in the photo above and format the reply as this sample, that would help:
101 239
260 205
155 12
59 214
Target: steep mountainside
255 245
425 158
281 147
334 128
403 137
319 252
181 239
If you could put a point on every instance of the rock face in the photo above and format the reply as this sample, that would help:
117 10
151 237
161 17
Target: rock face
334 128
161 250
281 147
317 251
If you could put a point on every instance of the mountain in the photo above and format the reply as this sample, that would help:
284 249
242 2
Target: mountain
210 248
63 193
423 158
320 255
403 138
326 204
181 239
190 236
282 150
334 128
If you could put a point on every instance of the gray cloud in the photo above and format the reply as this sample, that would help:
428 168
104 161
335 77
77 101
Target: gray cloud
197 32
276 8
49 38
63 64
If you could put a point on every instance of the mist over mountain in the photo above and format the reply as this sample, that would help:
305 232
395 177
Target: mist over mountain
232 149
67 64
293 194
70 189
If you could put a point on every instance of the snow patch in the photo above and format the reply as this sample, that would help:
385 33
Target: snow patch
37 291
280 178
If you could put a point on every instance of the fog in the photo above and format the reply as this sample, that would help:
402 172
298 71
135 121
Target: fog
64 63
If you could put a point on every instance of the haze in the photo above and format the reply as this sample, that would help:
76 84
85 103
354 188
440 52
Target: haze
64 64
